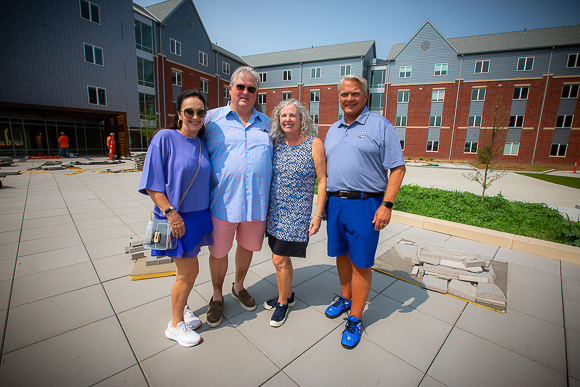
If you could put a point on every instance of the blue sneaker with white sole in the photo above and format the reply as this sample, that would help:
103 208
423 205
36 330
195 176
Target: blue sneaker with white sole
351 333
338 306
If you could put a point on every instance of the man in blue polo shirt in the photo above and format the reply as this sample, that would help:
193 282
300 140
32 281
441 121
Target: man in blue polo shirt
360 150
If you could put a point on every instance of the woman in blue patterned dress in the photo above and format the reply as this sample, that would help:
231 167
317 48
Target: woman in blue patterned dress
298 160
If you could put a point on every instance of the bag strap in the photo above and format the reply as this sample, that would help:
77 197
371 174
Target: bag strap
196 172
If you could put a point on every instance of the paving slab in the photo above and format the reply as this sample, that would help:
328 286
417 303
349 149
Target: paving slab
572 314
52 231
570 270
114 267
535 303
44 222
125 294
129 377
571 288
573 341
8 251
536 279
527 259
429 381
40 245
281 379
49 260
109 248
5 288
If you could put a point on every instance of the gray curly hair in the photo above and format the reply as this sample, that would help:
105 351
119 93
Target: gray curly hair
306 125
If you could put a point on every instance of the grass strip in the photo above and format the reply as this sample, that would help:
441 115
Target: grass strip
573 182
535 220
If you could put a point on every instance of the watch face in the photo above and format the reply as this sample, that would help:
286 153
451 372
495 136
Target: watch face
388 204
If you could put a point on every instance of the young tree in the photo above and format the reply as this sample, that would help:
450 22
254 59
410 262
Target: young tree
148 125
489 151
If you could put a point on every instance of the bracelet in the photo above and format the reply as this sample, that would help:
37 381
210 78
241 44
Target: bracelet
320 216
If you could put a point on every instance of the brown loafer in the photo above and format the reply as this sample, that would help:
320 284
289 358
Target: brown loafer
214 313
246 301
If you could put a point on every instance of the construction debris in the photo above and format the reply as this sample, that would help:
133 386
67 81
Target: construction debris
139 159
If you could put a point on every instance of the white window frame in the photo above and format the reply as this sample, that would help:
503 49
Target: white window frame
315 72
434 145
314 95
525 60
203 58
225 67
263 77
401 121
344 70
178 76
141 61
435 121
286 95
287 75
442 69
476 121
314 118
403 93
226 92
176 46
93 47
90 11
570 91
471 145
565 117
559 146
479 96
404 70
519 93
482 66
516 121
203 85
508 148
438 95
262 98
89 87
576 60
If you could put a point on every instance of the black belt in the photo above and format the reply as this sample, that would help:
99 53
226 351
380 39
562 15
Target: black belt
356 194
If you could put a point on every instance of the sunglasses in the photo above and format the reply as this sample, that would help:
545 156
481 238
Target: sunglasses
201 113
251 89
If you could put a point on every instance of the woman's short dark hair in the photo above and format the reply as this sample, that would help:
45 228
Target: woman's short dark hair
186 94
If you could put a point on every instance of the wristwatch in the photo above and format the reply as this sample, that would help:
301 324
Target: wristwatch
171 208
387 204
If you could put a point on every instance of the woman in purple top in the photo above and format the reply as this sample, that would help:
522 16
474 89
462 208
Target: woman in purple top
175 156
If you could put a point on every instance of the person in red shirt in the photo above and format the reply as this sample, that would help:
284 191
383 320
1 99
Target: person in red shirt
63 144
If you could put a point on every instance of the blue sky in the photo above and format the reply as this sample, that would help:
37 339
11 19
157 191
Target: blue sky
261 26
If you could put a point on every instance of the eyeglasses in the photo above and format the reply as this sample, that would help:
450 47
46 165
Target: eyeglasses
251 89
201 113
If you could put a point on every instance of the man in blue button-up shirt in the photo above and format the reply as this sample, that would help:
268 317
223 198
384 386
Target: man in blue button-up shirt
240 151
360 150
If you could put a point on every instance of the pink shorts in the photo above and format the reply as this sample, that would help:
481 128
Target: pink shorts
250 235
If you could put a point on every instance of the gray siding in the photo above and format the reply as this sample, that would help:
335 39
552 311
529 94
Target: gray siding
476 108
44 55
518 107
401 132
567 106
560 60
503 65
472 134
433 134
513 135
275 76
402 109
436 108
561 136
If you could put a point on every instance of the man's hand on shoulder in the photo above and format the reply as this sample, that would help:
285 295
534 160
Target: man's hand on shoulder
382 218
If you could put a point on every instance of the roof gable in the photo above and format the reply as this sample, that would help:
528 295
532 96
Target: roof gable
164 9
395 51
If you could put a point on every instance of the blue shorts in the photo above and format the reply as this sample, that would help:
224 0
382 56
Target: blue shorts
351 230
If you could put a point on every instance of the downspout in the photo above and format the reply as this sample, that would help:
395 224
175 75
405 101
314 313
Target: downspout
163 77
217 75
456 102
157 84
386 86
300 84
543 102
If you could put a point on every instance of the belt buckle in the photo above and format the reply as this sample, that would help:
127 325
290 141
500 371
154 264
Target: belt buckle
343 194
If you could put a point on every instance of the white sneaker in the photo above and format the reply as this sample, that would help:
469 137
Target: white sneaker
182 334
190 319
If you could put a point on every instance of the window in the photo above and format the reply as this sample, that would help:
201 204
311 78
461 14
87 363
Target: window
564 121
287 75
176 78
143 39
203 85
511 148
315 72
315 96
226 92
202 58
525 64
262 99
401 121
432 146
478 94
441 69
286 96
435 121
570 91
474 121
174 46
94 54
573 60
314 118
405 71
263 77
376 102
147 104
481 66
225 67
558 150
403 96
516 122
90 11
97 96
378 78
438 95
521 92
145 72
402 144
470 147
344 70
